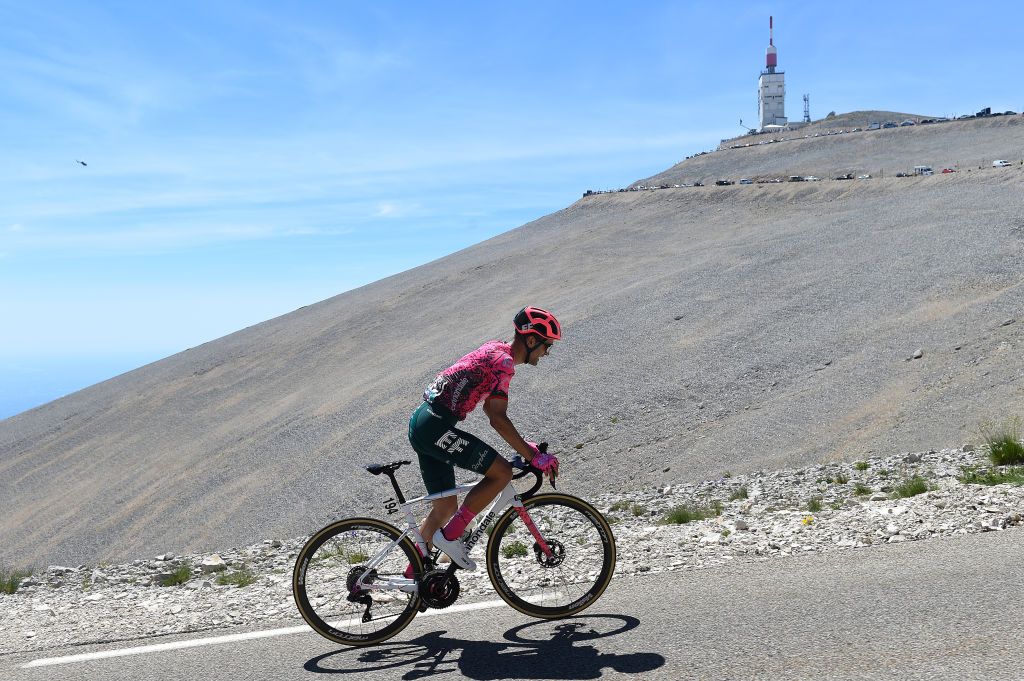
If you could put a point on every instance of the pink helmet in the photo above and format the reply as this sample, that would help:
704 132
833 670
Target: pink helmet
541 322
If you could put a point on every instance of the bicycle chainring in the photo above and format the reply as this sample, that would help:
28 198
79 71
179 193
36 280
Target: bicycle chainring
439 589
557 553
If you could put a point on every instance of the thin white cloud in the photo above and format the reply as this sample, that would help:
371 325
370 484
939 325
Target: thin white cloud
386 210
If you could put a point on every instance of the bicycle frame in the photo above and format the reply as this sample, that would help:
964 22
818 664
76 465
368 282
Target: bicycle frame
507 497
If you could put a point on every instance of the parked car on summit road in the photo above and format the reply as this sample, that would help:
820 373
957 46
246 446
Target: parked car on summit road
746 181
1001 164
949 170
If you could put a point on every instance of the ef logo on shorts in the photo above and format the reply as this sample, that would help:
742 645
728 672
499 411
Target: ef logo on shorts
451 442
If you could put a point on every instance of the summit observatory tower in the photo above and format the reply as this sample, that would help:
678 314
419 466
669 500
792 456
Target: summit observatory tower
771 90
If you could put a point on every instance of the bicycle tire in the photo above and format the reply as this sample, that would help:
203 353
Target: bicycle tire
581 576
324 567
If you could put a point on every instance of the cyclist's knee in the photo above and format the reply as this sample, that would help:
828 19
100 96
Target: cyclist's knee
500 471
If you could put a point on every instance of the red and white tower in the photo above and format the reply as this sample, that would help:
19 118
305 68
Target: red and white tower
771 91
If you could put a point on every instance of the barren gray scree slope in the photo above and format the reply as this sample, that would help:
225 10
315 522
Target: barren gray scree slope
707 329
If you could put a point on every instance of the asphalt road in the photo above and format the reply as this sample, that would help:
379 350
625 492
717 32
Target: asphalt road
924 610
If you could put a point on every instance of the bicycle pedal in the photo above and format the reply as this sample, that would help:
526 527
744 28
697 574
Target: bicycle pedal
423 607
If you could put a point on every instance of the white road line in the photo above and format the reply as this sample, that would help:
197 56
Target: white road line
195 643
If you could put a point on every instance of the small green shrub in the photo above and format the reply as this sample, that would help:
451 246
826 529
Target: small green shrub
239 578
682 514
883 473
861 465
180 575
910 488
10 580
639 510
861 490
357 557
515 549
837 506
741 493
621 505
726 532
841 478
727 474
814 505
1003 439
969 475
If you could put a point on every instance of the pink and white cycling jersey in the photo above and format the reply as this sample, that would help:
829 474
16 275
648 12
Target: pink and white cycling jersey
482 374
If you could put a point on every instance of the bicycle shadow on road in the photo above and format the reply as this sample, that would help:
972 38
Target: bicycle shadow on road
538 650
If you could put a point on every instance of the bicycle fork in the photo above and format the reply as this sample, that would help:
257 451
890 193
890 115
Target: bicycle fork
532 527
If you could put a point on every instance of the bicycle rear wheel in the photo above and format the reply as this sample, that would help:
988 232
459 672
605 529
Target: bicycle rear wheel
326 576
572 578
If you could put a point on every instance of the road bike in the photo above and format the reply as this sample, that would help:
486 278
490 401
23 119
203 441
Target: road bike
548 555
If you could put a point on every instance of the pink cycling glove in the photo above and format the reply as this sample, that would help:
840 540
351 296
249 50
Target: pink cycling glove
546 463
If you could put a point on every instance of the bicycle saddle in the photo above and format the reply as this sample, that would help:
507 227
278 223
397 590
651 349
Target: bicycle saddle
379 468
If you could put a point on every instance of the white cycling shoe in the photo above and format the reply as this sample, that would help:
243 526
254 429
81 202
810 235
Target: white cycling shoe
456 550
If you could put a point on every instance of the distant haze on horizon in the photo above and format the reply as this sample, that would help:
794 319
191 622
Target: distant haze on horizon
245 160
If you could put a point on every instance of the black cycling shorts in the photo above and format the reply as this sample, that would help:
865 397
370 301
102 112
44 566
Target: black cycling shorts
441 446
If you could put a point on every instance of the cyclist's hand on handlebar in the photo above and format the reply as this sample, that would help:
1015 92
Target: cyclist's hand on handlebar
548 464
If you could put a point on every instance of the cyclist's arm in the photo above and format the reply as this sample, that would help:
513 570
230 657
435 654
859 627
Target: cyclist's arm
495 408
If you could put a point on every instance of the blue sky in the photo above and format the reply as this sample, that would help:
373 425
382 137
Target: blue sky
245 159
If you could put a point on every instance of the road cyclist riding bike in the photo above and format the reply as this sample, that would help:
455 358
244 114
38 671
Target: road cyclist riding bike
360 581
483 374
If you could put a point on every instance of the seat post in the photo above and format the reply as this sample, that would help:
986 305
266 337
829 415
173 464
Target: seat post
394 483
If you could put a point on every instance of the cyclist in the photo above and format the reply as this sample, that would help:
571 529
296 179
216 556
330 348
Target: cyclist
483 374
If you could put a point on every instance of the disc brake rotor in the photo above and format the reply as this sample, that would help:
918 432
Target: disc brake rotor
556 557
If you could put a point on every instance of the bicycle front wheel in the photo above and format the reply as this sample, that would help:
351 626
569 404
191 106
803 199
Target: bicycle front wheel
348 582
563 582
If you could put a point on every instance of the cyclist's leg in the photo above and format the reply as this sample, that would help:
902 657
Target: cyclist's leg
440 512
438 476
495 479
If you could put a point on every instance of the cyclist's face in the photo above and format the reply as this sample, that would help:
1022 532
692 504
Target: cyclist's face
540 351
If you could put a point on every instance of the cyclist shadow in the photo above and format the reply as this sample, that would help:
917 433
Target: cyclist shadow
550 650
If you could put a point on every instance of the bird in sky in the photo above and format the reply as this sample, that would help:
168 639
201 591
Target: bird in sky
82 162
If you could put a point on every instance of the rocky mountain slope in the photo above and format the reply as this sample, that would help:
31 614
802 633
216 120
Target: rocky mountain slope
714 328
